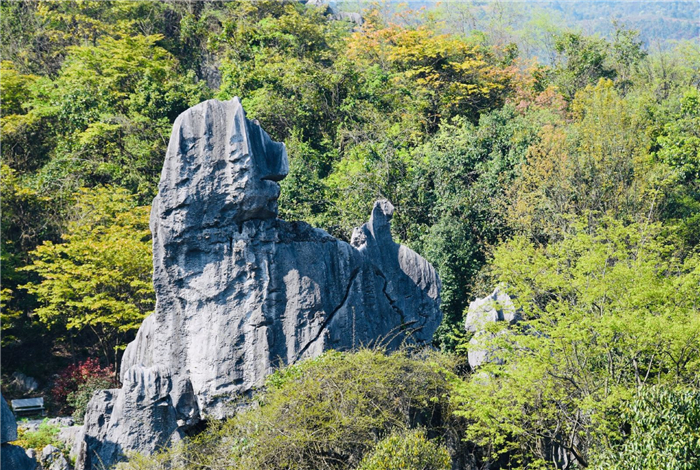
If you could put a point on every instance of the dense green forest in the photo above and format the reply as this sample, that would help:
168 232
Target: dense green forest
574 182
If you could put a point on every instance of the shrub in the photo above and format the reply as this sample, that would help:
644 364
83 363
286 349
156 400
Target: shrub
334 409
409 450
45 435
71 379
327 413
79 399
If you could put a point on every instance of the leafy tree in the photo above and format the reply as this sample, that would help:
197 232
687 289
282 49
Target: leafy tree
26 221
40 33
99 278
678 146
110 111
608 309
278 56
584 62
598 164
25 144
452 204
663 431
626 55
443 75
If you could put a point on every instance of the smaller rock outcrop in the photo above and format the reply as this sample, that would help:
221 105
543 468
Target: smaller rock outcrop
143 417
335 13
11 456
61 421
52 459
496 307
23 384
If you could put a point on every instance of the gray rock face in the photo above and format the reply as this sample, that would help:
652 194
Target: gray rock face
12 457
496 307
352 17
9 425
23 383
59 463
138 417
240 292
53 459
69 437
48 452
15 458
61 421
31 425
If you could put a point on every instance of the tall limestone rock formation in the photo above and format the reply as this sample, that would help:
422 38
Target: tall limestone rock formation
240 292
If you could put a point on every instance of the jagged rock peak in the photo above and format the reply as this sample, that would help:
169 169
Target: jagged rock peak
220 169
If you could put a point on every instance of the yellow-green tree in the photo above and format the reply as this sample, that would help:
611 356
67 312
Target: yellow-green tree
597 163
99 278
444 75
608 310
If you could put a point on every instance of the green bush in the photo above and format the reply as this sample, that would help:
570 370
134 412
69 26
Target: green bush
409 450
80 398
45 435
328 413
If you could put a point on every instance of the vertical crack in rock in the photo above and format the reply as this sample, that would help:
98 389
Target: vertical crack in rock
392 302
238 289
329 318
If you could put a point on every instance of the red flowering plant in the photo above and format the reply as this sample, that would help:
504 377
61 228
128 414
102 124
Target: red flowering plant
76 383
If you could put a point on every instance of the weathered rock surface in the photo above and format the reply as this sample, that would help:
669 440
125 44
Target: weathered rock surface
9 424
15 458
69 437
496 307
240 292
61 421
23 383
11 456
52 459
138 417
59 463
31 425
335 13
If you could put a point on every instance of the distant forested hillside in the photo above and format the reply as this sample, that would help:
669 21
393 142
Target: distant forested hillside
532 154
659 23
